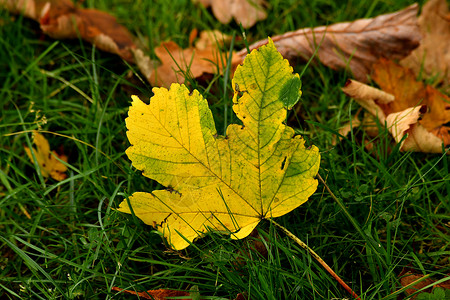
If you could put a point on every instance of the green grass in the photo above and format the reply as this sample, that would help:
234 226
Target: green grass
393 209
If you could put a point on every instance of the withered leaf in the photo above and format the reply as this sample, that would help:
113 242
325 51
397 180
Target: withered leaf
356 44
177 62
406 106
31 8
211 38
408 92
432 57
160 294
345 129
245 12
63 20
205 58
415 282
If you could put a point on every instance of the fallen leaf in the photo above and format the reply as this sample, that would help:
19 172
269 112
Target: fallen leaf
49 165
344 130
356 45
212 38
245 12
419 139
369 97
415 282
176 62
29 8
61 19
432 57
406 106
409 93
260 169
160 294
146 65
241 296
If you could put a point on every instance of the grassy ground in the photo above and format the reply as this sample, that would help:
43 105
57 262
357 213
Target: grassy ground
74 245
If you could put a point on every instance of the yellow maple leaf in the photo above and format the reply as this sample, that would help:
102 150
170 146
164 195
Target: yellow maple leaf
260 169
46 159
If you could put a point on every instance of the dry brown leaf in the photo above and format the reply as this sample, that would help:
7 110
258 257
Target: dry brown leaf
161 294
246 12
432 57
63 20
356 44
420 111
146 65
212 38
368 97
399 81
344 130
29 8
177 62
46 159
419 139
408 278
241 296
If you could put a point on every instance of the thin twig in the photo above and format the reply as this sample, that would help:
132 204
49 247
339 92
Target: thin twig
318 258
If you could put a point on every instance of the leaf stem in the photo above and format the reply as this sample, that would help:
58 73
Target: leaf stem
317 257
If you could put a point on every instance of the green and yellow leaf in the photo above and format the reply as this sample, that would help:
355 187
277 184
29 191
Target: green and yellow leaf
260 169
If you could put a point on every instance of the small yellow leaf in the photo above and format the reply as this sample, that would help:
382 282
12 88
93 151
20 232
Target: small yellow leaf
260 169
46 160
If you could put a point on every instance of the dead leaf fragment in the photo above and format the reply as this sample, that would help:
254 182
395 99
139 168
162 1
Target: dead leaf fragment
160 294
246 12
408 279
49 165
356 44
177 62
146 65
29 8
211 38
408 92
419 139
63 20
418 110
344 130
368 97
241 296
401 83
432 57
